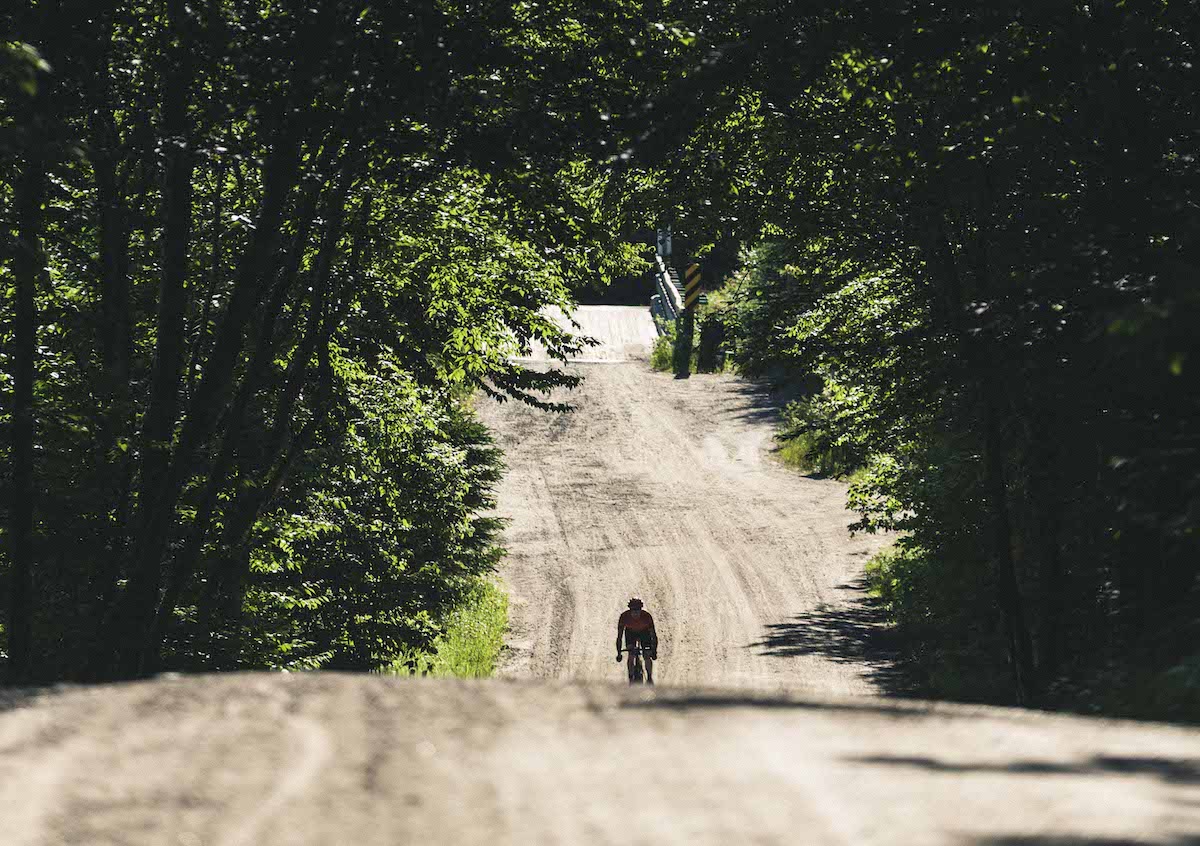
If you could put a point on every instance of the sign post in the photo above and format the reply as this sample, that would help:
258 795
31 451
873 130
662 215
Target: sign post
684 328
691 286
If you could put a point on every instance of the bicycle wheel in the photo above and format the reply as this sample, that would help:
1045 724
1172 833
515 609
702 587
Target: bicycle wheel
638 671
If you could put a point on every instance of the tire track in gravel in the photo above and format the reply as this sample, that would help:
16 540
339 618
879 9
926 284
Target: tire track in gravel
665 488
312 759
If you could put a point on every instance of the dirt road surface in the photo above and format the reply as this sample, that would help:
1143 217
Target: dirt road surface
666 488
258 760
660 487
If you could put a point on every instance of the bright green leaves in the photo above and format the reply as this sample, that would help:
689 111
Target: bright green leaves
20 64
388 205
380 545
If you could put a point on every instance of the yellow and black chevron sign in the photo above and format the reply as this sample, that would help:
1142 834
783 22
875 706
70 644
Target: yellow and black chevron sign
691 285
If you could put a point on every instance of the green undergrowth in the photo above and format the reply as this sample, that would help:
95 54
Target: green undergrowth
806 453
953 653
471 643
662 352
956 655
814 439
1171 694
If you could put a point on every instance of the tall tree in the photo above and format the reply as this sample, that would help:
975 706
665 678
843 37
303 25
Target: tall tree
28 271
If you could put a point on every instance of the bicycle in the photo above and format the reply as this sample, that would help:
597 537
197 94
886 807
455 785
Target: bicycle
637 671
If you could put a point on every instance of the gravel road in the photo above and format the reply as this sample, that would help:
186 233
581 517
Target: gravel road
657 486
666 488
259 760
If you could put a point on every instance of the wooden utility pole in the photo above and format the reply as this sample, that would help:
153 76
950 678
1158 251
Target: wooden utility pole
685 325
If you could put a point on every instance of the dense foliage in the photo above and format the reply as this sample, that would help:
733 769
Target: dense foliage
974 236
260 259
260 256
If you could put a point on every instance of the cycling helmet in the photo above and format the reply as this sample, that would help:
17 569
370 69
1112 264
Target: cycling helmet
635 603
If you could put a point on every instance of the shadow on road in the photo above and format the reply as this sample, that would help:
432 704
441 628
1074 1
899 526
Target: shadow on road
761 405
856 633
1052 840
691 700
1171 770
14 698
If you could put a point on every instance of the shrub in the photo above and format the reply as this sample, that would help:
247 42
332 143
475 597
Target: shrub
957 653
662 354
816 437
472 641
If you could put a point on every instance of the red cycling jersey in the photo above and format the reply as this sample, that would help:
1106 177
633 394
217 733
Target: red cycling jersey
636 621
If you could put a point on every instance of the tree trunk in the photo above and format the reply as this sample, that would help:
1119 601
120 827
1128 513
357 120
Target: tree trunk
138 608
985 348
104 147
1020 644
1042 461
980 370
184 563
214 276
28 266
220 605
113 459
158 425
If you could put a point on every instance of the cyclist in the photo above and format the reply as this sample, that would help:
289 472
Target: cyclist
638 628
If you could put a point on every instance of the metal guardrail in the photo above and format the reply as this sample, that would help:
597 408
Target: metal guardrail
666 303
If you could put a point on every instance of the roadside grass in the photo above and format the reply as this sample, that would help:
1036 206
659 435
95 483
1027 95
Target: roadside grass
470 646
797 453
662 353
807 453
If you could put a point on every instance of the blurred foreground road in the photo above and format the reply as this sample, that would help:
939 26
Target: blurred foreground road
339 759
